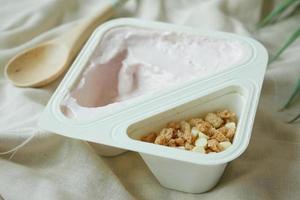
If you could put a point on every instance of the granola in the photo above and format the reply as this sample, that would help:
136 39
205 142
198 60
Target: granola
211 134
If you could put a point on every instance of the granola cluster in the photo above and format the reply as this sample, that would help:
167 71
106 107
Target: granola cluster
211 134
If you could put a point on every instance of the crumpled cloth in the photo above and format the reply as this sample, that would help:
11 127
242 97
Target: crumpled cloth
35 164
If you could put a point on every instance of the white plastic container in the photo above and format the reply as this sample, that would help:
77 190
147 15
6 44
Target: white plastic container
236 88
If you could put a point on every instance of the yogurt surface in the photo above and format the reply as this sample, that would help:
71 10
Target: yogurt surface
130 62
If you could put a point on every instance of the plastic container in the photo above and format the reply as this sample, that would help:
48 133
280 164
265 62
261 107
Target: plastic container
236 88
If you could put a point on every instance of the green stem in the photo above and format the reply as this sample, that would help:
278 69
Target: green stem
291 39
276 12
295 119
293 96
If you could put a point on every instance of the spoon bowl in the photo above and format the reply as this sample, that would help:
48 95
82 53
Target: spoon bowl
32 66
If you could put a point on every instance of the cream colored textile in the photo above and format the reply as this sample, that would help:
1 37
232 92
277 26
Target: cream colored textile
51 167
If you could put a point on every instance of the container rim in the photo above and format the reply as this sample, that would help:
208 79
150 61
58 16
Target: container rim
250 91
251 73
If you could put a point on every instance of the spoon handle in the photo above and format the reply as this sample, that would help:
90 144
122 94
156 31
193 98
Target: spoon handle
76 38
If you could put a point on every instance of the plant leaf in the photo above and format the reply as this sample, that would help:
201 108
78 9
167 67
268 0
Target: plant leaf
276 12
293 96
295 119
291 39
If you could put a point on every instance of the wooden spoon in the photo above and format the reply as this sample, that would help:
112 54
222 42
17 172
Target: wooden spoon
44 63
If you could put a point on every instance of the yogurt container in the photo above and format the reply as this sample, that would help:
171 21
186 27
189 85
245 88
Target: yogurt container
219 71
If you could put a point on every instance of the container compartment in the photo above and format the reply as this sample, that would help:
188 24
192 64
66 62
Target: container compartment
121 67
180 175
231 98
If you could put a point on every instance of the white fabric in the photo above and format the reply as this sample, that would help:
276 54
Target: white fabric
48 166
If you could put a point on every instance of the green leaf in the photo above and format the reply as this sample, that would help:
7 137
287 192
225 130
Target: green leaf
293 96
276 12
291 39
